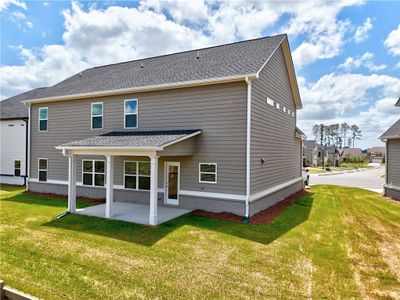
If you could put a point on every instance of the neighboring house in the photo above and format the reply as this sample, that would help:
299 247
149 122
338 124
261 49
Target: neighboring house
392 179
311 152
376 154
332 155
211 129
14 139
347 154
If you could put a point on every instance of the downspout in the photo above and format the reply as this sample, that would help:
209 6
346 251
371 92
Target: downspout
28 148
248 141
26 120
386 166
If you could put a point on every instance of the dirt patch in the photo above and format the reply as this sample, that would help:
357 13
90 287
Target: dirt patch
263 217
64 197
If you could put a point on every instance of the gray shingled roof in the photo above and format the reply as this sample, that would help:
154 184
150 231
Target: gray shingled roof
13 108
392 132
310 144
398 102
240 58
132 139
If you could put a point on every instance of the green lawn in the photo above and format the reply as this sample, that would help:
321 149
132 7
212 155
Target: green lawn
336 243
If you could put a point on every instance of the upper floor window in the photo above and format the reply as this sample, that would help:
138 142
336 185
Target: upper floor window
42 168
17 168
97 115
131 113
43 118
207 173
278 106
270 101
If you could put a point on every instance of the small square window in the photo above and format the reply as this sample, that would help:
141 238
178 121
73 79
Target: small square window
284 109
208 173
270 102
278 106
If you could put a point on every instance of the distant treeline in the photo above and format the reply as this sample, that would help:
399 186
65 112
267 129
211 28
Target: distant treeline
339 135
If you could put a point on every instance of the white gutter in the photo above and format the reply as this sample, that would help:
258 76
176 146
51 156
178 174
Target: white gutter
29 147
248 141
386 162
149 88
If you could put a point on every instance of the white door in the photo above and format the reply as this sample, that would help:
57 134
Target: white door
172 182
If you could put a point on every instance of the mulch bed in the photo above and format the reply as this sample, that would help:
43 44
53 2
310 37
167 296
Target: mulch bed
64 197
263 217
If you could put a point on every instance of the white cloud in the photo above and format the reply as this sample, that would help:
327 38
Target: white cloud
362 31
17 16
392 42
361 61
99 36
4 4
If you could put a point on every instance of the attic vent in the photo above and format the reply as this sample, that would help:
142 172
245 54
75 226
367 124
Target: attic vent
198 55
142 66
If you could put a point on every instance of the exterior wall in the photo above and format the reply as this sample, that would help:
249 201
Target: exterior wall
219 110
392 193
12 147
393 162
272 130
274 198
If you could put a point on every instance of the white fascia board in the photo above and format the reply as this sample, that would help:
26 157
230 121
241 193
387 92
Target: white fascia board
181 139
149 88
274 189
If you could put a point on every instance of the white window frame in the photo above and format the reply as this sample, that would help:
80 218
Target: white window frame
293 114
284 109
214 173
47 168
277 105
270 102
92 116
93 173
137 174
289 112
39 119
20 165
129 114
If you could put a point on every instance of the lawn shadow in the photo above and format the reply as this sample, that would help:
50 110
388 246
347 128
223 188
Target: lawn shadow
290 218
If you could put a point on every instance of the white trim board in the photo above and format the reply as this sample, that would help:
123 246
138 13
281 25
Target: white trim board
392 187
221 196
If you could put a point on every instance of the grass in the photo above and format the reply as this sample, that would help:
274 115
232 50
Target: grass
335 243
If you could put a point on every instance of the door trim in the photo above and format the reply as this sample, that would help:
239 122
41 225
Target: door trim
166 165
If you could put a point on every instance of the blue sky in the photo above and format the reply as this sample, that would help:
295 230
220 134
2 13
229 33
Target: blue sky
346 53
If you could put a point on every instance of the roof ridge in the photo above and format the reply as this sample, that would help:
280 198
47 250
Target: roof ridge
186 51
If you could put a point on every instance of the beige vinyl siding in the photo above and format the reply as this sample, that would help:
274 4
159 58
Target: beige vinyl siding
219 110
272 130
393 161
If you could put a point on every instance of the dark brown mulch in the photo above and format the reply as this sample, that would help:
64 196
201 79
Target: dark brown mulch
263 217
64 197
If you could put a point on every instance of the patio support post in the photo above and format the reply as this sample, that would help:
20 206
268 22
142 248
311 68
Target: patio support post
109 185
71 183
153 189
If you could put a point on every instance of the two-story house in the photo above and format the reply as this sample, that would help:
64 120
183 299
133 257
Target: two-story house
391 137
14 139
212 129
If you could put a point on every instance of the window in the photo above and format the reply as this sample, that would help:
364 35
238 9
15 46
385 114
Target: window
278 106
284 109
93 172
97 115
17 168
131 113
42 169
289 112
43 118
270 102
137 175
207 173
293 114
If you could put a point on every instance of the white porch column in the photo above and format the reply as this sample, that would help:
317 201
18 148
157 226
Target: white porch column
109 185
71 183
153 189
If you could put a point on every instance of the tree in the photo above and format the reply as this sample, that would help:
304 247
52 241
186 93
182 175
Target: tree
355 133
344 128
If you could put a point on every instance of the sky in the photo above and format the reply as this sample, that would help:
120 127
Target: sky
346 53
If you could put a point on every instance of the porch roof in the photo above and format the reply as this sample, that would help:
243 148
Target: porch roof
136 140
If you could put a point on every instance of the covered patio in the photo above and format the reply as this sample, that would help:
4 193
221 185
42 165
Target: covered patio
150 144
132 212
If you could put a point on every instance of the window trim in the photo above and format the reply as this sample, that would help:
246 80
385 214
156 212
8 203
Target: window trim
39 119
94 172
214 173
129 114
137 174
20 167
270 102
47 168
278 105
91 115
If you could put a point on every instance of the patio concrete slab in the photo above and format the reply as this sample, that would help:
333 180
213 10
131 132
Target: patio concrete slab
131 212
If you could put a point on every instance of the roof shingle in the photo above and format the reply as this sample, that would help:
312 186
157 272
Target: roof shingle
13 108
392 132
